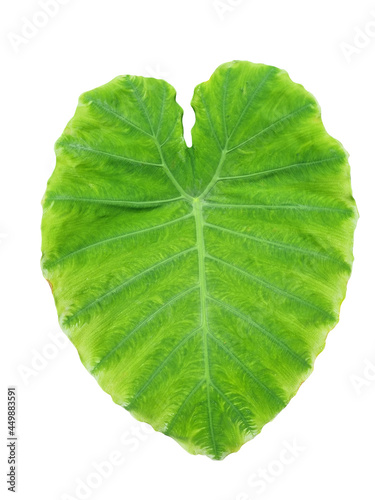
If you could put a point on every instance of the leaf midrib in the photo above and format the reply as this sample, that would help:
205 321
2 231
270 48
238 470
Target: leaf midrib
197 207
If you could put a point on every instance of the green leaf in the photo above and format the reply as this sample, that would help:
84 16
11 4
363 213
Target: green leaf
198 284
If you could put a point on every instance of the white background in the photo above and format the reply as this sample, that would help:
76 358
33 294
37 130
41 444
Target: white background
65 421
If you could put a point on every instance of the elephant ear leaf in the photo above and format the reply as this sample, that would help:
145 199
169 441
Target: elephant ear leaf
199 284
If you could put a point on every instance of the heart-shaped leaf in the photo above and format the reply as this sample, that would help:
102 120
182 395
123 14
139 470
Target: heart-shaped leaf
199 284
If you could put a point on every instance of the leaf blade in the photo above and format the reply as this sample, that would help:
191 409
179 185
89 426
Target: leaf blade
199 284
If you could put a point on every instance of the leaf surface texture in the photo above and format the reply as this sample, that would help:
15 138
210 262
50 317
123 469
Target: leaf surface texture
199 284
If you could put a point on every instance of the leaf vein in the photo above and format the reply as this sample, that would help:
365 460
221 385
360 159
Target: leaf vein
112 155
125 203
120 237
233 406
272 125
119 287
245 369
275 243
251 99
156 372
278 207
274 170
143 322
210 121
183 404
270 286
284 347
123 118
